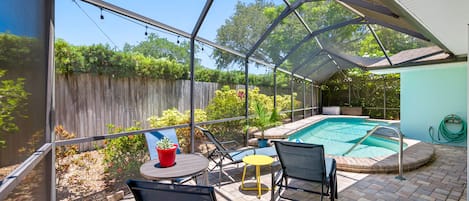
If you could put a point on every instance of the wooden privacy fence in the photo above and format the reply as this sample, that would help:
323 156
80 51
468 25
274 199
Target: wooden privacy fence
86 103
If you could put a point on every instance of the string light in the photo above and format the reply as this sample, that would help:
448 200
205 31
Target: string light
146 30
177 41
102 17
96 24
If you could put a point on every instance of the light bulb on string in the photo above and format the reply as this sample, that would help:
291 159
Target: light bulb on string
101 16
177 41
146 30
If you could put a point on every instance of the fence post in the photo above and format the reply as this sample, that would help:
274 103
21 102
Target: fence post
246 98
194 33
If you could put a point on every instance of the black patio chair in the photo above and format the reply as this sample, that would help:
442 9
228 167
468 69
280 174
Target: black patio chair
148 190
221 154
304 162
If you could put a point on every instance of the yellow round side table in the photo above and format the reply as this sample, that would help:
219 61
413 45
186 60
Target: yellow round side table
258 161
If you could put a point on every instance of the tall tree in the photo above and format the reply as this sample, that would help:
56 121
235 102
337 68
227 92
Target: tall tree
250 21
241 31
393 42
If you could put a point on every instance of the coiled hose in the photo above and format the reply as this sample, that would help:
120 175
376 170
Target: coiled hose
450 136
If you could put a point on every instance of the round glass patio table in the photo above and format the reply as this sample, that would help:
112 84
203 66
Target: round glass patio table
258 161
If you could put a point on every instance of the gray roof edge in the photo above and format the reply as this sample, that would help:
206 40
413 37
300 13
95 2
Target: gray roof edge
451 59
396 6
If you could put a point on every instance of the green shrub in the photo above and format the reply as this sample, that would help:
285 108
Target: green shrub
67 58
231 103
161 68
155 59
173 117
123 156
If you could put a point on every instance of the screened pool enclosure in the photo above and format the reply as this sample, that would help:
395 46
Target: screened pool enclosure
302 42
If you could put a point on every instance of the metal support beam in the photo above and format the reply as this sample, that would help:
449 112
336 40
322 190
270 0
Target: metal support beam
246 98
292 104
304 99
275 88
379 43
320 100
317 32
201 19
349 92
312 99
15 178
294 74
397 28
310 31
195 31
288 10
384 97
373 7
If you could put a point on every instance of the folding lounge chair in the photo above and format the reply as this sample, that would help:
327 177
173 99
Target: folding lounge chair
147 190
153 137
233 156
305 162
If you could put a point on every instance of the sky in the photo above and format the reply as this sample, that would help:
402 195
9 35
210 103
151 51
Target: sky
80 24
13 17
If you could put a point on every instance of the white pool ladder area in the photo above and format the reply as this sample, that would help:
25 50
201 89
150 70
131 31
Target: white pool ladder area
401 145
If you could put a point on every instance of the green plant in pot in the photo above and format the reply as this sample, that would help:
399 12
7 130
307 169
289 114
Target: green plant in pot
264 120
166 152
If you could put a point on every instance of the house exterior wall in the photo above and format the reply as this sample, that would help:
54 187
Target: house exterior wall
430 93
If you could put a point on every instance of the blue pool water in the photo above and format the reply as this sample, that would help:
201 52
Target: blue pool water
340 134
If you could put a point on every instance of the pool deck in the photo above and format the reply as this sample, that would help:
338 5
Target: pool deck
417 153
444 178
285 130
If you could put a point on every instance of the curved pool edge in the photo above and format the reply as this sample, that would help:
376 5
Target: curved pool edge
416 155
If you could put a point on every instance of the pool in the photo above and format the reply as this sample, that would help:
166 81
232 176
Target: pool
339 134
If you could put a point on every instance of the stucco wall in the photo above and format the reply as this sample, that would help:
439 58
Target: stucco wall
428 94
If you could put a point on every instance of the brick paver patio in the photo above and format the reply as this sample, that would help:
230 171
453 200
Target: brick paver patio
442 179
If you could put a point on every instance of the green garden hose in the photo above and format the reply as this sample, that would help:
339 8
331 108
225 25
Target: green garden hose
450 136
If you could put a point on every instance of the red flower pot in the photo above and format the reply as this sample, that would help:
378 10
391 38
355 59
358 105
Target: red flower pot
167 157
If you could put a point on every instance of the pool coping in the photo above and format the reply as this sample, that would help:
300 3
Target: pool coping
415 155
